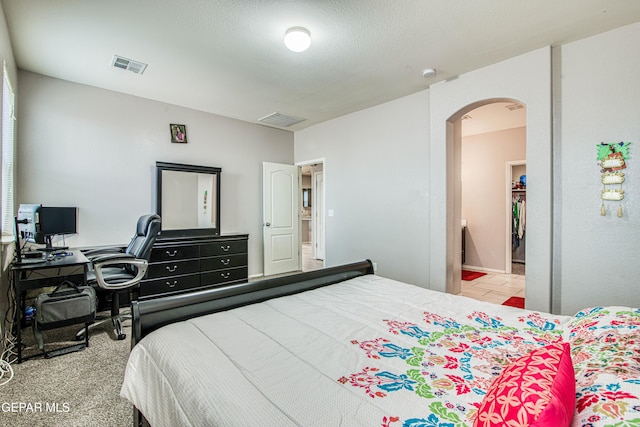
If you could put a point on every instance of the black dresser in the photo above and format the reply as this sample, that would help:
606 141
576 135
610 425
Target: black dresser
186 264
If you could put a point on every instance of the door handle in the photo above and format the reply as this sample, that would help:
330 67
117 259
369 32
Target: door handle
268 224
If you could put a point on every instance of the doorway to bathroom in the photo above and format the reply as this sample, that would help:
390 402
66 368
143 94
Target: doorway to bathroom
312 216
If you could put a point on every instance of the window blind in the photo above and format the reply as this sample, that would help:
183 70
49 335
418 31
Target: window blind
8 121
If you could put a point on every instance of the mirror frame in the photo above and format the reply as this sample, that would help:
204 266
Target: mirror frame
178 167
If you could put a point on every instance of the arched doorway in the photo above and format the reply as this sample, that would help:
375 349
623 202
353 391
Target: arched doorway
454 189
526 78
493 141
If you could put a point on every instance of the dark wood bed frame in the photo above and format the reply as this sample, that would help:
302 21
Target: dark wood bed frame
152 314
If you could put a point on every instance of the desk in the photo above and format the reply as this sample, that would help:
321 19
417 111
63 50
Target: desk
27 276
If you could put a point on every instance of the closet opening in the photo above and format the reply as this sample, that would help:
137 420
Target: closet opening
516 230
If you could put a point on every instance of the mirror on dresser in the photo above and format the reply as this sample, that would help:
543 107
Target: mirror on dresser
188 199
191 253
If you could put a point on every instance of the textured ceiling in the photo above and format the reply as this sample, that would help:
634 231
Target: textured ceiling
227 57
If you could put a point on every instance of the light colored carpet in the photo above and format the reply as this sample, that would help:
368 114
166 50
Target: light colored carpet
75 389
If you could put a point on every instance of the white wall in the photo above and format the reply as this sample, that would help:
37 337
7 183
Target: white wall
596 99
484 200
376 174
96 149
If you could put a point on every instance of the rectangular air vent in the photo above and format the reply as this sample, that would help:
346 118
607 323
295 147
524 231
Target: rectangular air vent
128 64
512 107
281 120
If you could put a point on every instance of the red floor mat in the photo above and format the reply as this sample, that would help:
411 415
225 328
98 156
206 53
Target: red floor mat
517 302
470 275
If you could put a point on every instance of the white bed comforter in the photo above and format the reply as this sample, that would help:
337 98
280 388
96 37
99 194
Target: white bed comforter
366 352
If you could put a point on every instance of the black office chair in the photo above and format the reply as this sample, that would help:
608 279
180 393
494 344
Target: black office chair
113 270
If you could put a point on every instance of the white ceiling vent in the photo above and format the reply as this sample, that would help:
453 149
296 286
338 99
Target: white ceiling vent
128 64
281 120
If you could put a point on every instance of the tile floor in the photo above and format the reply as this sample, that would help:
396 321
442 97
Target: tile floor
308 263
495 288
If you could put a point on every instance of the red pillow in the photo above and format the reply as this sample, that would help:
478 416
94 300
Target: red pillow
537 390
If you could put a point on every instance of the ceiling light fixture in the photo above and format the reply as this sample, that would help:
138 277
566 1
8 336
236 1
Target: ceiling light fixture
297 39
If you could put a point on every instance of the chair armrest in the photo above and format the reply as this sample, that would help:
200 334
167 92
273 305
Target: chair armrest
92 253
114 260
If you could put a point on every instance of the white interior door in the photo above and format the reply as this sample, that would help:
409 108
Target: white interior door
281 220
318 215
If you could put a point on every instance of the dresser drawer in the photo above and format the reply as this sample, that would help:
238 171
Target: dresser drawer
173 268
169 253
169 285
223 276
224 247
222 262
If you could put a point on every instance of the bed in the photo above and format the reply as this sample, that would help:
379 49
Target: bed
345 347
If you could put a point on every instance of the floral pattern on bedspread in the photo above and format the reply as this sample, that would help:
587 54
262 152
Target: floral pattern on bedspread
605 348
450 363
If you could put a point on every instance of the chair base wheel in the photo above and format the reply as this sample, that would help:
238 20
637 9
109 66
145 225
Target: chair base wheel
122 336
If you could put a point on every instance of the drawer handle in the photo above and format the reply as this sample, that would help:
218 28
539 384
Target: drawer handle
225 248
225 261
225 275
171 269
174 253
172 285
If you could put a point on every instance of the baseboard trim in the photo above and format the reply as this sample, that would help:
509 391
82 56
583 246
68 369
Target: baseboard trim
482 269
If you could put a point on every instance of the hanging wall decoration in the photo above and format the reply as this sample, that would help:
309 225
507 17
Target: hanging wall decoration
178 133
612 160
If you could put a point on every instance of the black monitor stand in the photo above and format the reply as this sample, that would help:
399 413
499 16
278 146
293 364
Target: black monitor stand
16 221
48 246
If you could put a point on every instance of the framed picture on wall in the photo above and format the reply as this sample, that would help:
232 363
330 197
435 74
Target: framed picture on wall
178 133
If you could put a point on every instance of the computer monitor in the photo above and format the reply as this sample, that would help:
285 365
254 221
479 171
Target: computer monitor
56 220
27 221
39 223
